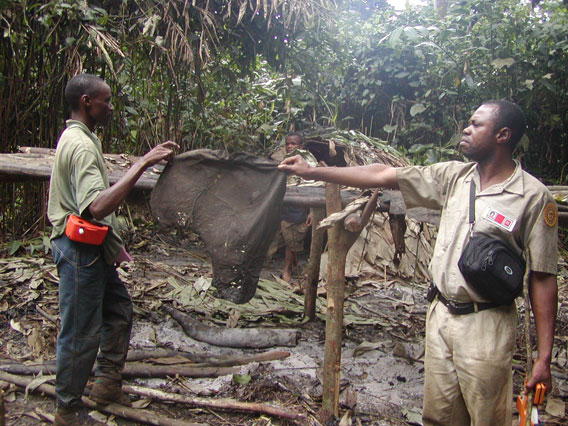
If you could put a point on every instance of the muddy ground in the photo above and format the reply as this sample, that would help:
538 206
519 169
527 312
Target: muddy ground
382 354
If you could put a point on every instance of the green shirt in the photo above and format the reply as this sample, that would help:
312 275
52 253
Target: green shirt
78 175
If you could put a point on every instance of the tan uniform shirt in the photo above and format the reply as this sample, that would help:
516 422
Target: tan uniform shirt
520 211
78 175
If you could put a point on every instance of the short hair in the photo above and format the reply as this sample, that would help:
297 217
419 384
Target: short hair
508 114
296 134
81 84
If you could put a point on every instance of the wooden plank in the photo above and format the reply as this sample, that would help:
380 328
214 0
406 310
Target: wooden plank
35 166
34 163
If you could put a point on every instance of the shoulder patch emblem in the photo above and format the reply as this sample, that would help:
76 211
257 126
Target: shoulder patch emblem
550 214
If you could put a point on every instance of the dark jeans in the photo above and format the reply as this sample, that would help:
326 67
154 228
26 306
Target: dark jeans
96 313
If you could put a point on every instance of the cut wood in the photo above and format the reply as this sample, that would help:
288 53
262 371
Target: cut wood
257 338
34 163
135 414
207 360
135 369
223 404
355 222
141 355
132 369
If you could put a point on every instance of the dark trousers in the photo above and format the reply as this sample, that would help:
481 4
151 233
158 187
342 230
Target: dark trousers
96 318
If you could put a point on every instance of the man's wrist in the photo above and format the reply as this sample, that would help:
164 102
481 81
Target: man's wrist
546 359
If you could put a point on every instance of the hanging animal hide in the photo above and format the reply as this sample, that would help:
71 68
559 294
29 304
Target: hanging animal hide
232 201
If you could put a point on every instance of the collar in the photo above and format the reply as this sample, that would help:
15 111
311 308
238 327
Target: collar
76 123
513 184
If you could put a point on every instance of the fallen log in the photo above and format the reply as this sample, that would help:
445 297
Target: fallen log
135 414
257 338
144 370
28 370
131 369
204 360
34 163
223 404
137 369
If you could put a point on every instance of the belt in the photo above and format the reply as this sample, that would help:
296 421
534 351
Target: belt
460 308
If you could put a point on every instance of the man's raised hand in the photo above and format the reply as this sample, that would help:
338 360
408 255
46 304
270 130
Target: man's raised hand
295 164
164 151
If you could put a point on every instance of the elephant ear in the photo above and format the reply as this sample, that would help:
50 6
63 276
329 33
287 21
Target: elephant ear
233 202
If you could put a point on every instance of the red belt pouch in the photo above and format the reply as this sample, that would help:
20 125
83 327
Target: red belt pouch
82 231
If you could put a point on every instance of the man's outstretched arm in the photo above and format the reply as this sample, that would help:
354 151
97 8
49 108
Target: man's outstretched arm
370 176
110 199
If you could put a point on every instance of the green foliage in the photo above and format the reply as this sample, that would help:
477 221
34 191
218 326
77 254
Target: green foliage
414 79
155 55
243 113
237 75
241 379
32 246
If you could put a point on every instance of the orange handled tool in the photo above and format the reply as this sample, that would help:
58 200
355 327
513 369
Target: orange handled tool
537 399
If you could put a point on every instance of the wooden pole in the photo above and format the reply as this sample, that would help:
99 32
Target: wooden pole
334 316
340 241
312 270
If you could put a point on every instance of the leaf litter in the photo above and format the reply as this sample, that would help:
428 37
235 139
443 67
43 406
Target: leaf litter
382 353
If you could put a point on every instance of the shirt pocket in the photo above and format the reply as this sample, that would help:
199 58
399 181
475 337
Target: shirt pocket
494 220
453 223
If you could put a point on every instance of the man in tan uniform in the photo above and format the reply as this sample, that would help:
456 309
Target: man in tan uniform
469 341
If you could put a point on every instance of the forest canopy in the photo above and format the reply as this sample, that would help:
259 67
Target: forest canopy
237 75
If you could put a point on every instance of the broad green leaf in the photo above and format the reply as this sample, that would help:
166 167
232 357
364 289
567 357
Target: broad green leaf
13 246
417 109
500 63
395 36
389 129
241 379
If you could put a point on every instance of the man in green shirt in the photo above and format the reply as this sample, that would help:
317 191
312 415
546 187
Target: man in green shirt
94 305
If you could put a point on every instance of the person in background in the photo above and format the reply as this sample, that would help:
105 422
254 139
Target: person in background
470 341
94 305
295 220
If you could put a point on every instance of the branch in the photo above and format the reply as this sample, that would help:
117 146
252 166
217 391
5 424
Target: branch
132 370
224 404
137 415
234 337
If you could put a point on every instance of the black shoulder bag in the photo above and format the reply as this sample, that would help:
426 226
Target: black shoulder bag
489 265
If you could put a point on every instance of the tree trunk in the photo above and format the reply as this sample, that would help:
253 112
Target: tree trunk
257 338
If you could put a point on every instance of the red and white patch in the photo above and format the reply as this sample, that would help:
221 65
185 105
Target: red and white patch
499 219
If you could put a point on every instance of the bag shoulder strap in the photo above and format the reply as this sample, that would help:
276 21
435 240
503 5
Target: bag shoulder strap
471 205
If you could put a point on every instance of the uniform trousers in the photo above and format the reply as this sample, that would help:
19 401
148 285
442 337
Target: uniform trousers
468 376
